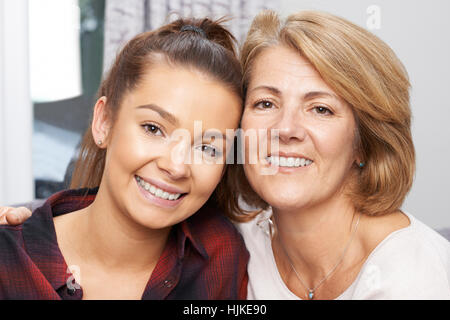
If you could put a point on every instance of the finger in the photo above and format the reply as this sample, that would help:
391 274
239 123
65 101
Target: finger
3 219
3 212
17 216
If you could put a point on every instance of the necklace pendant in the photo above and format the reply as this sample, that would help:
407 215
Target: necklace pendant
311 294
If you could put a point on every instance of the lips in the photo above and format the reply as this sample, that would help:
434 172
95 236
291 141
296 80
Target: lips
159 192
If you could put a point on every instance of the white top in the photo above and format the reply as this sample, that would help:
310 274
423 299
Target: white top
410 263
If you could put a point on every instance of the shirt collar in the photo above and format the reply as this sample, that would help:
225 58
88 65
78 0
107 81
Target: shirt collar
185 232
41 242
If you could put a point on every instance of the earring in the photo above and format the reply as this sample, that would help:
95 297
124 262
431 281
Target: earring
361 165
99 142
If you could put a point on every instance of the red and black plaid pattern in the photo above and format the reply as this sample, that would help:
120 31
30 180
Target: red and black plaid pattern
204 258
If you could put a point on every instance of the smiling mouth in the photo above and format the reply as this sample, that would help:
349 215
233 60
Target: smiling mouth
289 162
158 192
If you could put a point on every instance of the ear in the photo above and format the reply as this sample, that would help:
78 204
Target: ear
101 123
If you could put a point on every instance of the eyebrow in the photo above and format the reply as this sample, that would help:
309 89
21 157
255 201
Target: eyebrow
307 96
268 88
163 113
318 94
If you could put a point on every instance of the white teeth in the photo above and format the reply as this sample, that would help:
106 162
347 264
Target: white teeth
289 162
156 191
275 161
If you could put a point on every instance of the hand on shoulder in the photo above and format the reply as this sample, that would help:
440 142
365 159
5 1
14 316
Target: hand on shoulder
14 216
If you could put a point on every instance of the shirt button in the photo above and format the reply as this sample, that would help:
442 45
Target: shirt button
168 283
71 291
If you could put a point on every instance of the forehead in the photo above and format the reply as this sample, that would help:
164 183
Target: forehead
285 68
186 93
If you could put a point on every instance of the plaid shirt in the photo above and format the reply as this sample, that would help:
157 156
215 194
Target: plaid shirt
204 257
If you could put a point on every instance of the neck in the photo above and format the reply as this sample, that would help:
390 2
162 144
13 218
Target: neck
314 238
110 238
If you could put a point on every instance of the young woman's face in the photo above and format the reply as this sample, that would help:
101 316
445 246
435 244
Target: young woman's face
152 143
316 131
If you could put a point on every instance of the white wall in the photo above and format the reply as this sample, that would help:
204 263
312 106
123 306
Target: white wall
419 32
16 113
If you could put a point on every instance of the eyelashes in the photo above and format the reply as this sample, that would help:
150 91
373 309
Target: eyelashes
319 109
263 104
210 150
155 130
322 110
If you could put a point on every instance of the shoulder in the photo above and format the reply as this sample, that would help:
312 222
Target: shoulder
225 266
11 237
413 241
256 232
14 258
411 262
214 230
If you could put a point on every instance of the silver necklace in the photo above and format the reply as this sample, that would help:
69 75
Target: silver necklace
311 291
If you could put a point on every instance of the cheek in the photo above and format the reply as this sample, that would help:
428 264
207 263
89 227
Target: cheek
334 143
129 149
255 137
206 178
248 120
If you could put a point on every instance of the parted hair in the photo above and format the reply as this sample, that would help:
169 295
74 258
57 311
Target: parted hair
202 44
365 72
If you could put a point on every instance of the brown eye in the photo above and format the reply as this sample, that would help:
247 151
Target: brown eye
208 150
322 110
264 105
152 129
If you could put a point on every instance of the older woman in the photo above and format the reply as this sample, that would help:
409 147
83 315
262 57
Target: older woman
336 98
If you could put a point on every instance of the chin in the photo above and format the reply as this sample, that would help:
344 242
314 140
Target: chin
155 220
287 205
283 201
152 217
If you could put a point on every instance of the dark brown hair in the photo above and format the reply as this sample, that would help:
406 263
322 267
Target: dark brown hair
205 46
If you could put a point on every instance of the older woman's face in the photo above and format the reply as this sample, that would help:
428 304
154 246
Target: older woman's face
316 131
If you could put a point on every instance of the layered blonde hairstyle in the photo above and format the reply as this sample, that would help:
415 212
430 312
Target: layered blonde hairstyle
364 72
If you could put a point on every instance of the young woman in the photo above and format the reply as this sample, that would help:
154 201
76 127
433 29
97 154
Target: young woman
142 228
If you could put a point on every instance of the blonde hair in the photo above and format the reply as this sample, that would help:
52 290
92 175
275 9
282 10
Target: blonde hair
367 74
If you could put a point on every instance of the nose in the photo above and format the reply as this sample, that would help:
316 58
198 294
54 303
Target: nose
174 163
288 126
